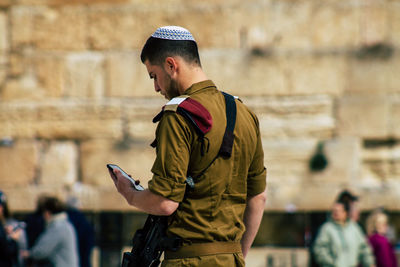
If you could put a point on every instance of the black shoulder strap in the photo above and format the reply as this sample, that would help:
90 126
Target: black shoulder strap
227 141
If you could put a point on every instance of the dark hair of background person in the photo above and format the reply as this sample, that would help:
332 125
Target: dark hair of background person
156 50
345 195
52 204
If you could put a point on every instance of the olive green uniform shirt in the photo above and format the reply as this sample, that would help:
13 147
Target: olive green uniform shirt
213 210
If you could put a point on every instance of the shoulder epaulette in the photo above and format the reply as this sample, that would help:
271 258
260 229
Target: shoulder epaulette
191 110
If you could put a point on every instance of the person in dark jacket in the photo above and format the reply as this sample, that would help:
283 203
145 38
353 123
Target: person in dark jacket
84 231
8 237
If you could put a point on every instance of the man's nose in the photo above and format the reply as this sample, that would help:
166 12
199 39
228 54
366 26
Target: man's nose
156 87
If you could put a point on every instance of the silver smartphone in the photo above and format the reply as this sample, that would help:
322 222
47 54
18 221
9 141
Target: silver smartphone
135 184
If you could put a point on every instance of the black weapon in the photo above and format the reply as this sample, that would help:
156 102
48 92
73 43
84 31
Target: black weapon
149 243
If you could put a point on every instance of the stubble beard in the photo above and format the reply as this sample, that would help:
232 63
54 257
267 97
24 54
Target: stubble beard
172 89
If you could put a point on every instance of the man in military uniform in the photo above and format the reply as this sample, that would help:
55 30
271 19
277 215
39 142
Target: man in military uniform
214 200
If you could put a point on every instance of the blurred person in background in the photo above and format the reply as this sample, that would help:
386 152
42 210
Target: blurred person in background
9 237
35 225
377 226
84 230
354 215
341 242
353 201
58 241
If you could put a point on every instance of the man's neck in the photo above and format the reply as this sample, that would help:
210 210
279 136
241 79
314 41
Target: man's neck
192 76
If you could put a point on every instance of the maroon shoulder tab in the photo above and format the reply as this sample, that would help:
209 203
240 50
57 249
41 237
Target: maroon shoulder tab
199 114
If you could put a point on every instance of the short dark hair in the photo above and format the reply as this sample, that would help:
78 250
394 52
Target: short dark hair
347 196
52 204
156 50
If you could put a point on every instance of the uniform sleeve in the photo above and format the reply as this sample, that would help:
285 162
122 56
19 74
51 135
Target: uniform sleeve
169 170
256 178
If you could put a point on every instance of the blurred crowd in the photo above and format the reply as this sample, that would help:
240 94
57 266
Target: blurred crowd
342 242
57 234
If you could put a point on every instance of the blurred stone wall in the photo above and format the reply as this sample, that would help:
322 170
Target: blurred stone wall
75 96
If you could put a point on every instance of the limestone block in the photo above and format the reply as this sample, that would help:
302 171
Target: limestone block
18 163
287 160
50 73
4 46
290 106
58 166
288 198
335 25
319 198
108 199
17 64
120 26
321 127
374 173
39 74
127 76
290 180
364 116
68 2
4 42
394 18
135 158
386 196
4 69
142 130
61 119
21 18
344 165
236 72
85 75
293 116
316 74
280 74
49 28
374 76
128 26
5 3
139 117
227 21
289 23
394 123
24 198
381 164
22 88
87 196
374 22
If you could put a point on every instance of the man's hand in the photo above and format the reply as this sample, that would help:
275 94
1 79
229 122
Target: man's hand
144 200
123 185
14 234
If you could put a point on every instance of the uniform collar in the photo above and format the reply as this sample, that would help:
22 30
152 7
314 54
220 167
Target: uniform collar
199 86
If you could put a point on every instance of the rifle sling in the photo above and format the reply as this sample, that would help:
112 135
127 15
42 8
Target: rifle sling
204 249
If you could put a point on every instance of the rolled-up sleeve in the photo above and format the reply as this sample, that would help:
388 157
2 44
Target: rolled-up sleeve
257 173
169 170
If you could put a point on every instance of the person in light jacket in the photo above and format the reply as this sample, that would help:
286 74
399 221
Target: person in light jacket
341 242
58 242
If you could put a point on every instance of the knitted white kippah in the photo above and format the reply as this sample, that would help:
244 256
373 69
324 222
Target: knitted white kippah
173 33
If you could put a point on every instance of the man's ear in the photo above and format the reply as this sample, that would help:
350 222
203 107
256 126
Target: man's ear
171 65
